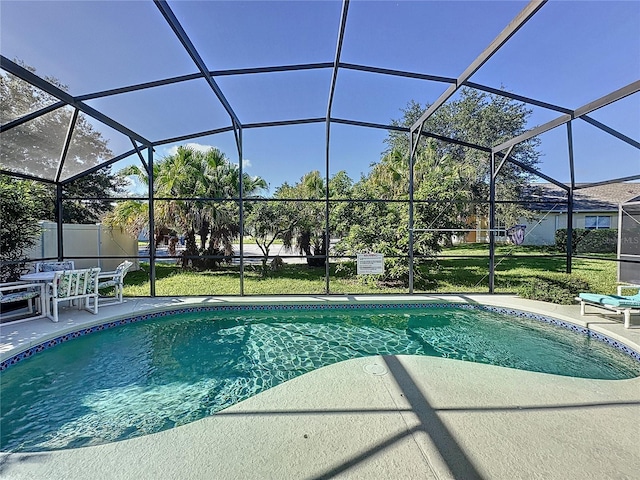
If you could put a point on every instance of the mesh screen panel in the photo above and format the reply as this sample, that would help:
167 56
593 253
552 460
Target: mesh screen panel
18 98
35 147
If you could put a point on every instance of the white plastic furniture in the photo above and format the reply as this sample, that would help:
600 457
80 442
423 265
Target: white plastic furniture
70 285
628 286
20 291
114 279
54 266
619 304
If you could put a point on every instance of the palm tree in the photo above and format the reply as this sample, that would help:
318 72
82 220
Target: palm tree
308 236
171 175
219 179
193 175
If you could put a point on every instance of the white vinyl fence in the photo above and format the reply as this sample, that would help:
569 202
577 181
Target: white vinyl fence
82 240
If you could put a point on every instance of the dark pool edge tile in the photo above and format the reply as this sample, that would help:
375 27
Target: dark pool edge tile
29 352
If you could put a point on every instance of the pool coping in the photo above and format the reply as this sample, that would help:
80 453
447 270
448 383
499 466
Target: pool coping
75 323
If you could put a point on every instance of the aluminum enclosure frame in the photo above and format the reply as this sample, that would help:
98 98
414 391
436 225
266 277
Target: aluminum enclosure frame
496 155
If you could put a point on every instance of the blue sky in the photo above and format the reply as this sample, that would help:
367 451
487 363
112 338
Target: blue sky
570 53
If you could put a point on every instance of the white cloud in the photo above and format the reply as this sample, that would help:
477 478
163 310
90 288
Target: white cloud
135 186
246 163
198 147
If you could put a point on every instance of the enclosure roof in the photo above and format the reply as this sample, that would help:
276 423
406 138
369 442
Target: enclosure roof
155 74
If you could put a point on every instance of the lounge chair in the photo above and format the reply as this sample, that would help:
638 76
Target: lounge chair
620 304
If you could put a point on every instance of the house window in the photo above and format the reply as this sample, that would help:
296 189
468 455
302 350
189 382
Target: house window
596 222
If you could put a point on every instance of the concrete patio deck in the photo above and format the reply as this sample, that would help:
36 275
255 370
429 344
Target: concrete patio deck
393 417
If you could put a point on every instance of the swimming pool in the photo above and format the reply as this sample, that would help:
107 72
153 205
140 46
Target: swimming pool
172 369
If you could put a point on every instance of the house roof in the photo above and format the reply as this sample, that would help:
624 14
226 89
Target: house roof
596 198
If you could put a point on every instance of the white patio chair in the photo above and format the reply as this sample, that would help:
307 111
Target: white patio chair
18 292
114 279
70 285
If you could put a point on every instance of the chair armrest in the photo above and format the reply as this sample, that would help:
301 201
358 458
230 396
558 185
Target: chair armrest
20 286
107 274
19 282
631 287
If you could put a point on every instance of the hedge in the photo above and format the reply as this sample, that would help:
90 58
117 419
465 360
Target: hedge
588 241
559 288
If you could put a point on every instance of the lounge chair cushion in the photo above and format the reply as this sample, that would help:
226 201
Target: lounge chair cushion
613 300
17 296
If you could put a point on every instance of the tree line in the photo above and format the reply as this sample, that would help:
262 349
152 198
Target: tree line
450 184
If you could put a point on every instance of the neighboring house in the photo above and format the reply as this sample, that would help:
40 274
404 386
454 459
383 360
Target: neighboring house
593 208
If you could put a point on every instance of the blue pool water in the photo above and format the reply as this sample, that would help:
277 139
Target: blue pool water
157 374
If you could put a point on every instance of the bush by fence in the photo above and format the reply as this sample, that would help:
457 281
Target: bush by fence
588 241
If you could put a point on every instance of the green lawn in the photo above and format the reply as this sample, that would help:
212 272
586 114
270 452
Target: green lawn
515 266
459 269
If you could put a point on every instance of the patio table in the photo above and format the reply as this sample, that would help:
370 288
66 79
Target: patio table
38 277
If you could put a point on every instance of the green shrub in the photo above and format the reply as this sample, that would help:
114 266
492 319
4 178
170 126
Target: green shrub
561 288
588 241
22 203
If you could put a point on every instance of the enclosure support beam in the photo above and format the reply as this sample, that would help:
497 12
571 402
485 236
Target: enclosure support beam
25 176
238 135
630 178
523 17
31 116
332 91
317 66
534 132
610 131
59 221
504 160
142 160
396 128
519 98
152 226
413 142
578 113
614 96
492 222
67 143
569 246
29 77
304 121
191 136
63 154
327 233
412 155
538 173
195 76
397 73
284 123
173 22
98 167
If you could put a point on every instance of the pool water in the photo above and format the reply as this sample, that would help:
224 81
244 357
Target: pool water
154 375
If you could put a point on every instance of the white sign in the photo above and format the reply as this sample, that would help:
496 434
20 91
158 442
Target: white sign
370 263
